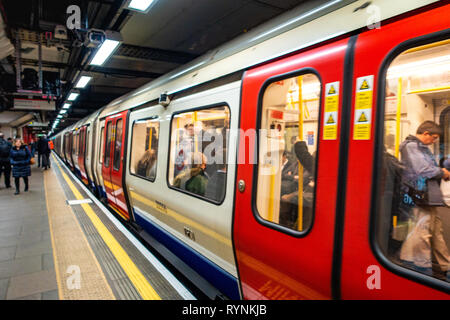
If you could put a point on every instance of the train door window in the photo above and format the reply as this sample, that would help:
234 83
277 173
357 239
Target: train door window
198 152
109 134
412 219
118 144
144 148
102 145
287 151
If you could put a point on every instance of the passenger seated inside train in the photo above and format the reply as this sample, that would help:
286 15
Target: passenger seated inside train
413 226
289 200
146 167
193 178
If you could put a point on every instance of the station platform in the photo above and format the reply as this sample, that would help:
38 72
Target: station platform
57 242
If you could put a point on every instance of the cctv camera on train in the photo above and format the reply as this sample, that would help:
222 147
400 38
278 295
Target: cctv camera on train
164 99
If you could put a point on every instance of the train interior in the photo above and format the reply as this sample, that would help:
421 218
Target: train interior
290 109
417 90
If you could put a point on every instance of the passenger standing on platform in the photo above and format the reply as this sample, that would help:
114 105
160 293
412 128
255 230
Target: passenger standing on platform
49 150
39 147
5 164
33 146
20 160
44 151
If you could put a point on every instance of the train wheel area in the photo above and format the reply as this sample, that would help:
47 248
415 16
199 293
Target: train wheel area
58 243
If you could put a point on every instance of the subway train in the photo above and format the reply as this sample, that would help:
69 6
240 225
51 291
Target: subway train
303 111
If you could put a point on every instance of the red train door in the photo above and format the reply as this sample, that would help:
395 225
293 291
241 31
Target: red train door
397 84
69 153
285 207
112 168
82 155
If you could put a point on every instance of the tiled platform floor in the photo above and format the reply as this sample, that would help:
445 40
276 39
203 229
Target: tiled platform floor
26 260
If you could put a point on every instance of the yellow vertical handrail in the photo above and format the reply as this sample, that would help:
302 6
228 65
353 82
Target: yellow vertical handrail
150 139
194 120
271 193
300 167
398 117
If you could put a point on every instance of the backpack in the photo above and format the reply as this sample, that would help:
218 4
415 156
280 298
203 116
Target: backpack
5 149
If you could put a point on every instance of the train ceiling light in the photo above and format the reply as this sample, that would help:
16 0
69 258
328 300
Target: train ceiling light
140 5
66 106
107 48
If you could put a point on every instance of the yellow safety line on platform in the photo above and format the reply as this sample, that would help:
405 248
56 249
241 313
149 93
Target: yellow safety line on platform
71 250
134 274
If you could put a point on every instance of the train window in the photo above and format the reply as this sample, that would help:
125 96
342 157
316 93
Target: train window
198 152
413 216
287 151
109 134
102 145
144 148
118 144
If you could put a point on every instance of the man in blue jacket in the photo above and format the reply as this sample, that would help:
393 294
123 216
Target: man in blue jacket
425 246
5 164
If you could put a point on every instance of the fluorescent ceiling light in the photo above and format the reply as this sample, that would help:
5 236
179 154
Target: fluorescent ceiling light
84 80
73 96
104 52
66 106
62 111
59 116
141 5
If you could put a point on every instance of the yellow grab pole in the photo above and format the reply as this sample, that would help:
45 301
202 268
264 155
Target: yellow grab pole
150 139
271 193
300 167
194 120
398 118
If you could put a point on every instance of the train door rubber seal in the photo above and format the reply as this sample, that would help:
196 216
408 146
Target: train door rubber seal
347 90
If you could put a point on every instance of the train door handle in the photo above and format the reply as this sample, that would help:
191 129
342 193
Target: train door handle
241 185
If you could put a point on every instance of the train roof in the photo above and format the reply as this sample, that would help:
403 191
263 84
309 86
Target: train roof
302 27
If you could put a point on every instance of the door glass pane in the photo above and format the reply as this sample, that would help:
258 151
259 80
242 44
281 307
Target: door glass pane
287 151
108 144
144 148
118 144
413 228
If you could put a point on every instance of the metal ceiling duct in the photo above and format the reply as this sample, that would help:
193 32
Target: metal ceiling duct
6 48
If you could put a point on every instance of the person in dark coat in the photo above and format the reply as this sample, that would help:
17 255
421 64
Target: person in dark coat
20 160
5 164
43 153
42 146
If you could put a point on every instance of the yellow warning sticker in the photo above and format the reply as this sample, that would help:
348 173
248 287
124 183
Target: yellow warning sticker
363 108
331 111
362 117
331 120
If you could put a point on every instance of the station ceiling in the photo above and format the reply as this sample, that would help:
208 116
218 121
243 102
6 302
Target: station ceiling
171 33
